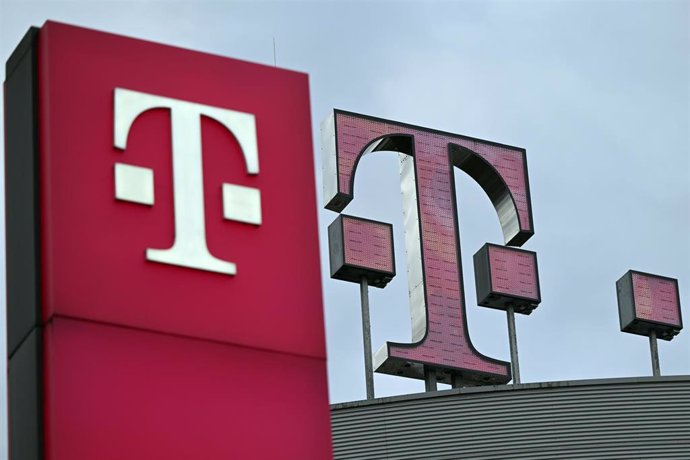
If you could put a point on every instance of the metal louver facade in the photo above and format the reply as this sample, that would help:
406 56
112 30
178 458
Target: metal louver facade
629 418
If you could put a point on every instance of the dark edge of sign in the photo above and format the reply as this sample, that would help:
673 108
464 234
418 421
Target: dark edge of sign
22 194
25 399
482 273
529 199
23 267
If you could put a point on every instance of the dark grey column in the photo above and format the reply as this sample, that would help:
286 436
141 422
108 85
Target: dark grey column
24 336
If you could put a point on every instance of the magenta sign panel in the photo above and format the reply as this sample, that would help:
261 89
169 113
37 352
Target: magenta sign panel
656 299
514 272
440 337
368 244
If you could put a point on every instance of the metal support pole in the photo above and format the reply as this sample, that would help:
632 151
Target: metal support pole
366 332
515 365
429 379
656 371
456 381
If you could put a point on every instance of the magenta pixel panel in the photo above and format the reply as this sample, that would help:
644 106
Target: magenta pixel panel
656 299
368 244
514 272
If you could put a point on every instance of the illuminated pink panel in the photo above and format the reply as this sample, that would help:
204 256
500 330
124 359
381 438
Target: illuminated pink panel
656 299
368 244
513 272
354 133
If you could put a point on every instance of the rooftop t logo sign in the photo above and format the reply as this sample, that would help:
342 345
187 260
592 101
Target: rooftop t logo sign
441 341
136 184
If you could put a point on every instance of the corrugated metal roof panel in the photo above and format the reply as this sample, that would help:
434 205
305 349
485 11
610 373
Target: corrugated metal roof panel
606 419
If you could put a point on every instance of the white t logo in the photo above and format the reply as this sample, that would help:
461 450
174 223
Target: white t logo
135 184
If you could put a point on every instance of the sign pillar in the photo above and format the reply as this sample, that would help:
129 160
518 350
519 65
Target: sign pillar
147 313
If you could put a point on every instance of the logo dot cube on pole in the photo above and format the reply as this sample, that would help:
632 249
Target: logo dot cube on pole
361 248
507 276
649 303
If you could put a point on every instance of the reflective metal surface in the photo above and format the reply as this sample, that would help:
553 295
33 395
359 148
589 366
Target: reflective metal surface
413 248
189 249
329 161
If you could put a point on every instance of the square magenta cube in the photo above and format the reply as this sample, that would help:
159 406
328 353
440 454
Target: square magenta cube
361 248
648 303
506 276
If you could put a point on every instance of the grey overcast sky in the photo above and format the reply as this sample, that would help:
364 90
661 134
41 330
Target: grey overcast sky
598 92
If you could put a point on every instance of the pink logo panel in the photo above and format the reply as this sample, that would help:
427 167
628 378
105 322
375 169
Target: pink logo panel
513 272
447 340
656 299
368 244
